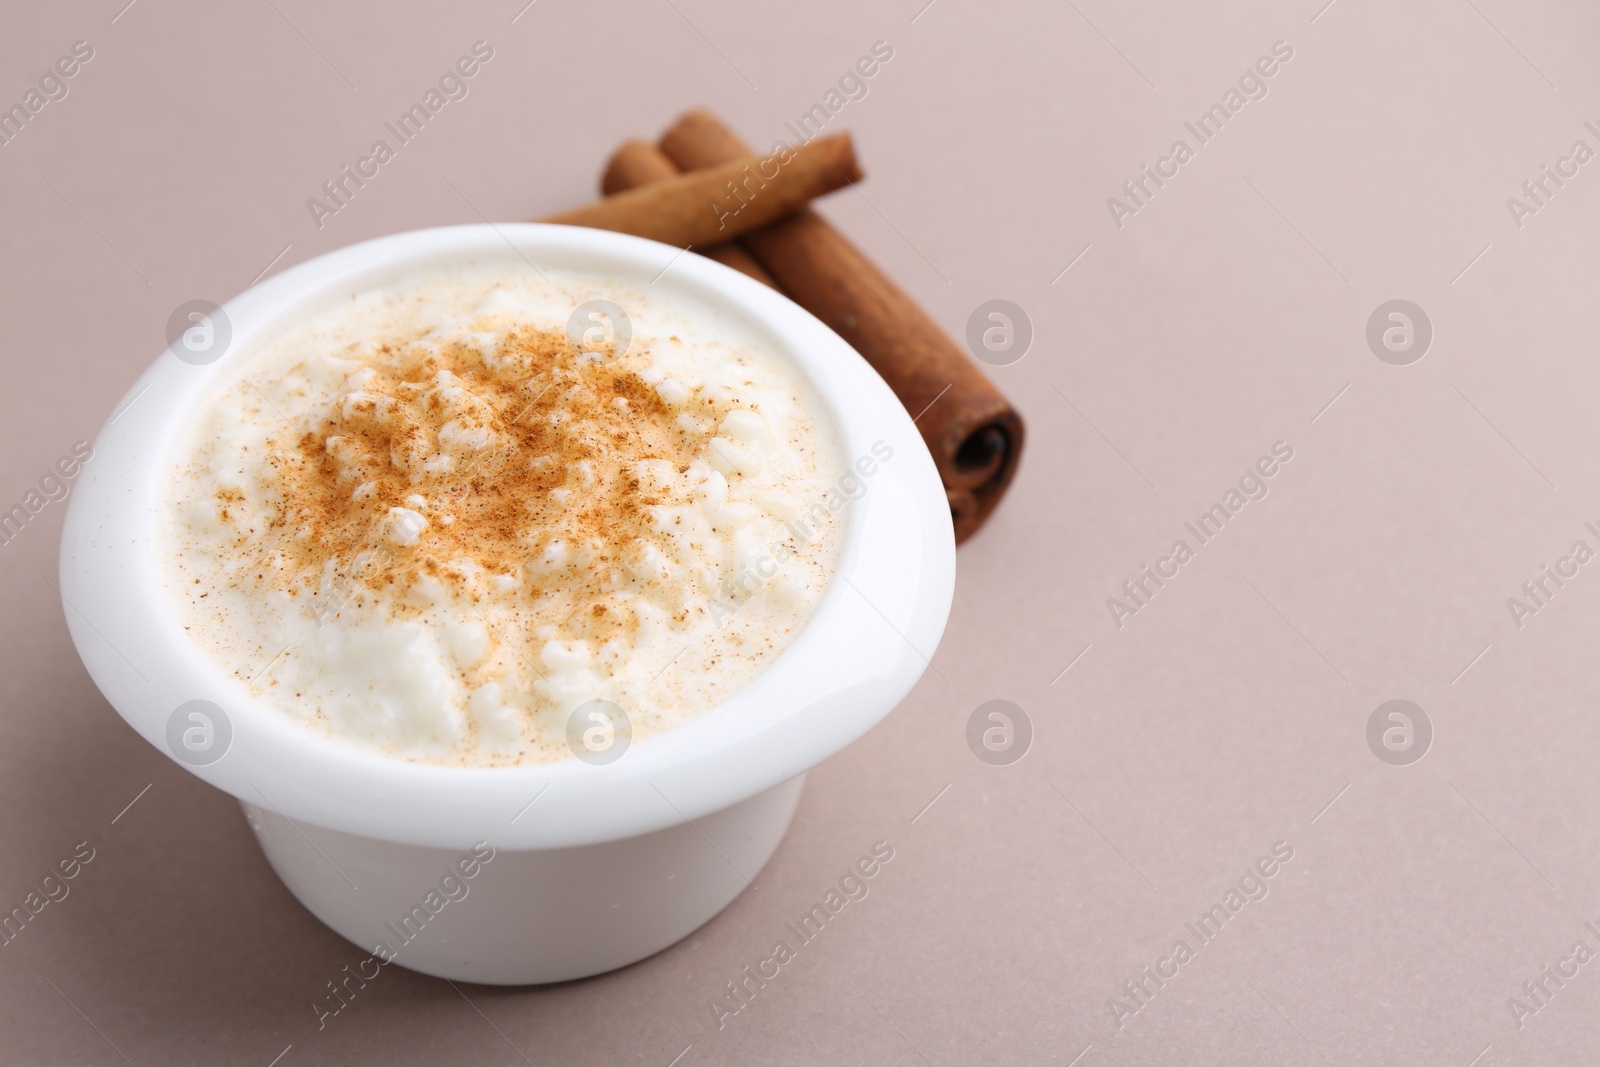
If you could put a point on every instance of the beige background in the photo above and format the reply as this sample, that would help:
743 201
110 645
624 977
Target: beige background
1224 717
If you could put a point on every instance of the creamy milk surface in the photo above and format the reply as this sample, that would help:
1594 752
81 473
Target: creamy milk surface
429 522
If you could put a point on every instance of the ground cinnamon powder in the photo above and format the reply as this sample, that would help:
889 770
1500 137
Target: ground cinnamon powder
454 461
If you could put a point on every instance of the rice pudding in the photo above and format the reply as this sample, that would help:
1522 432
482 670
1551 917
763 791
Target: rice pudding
432 520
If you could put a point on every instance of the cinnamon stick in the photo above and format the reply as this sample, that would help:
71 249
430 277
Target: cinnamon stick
639 163
719 203
975 435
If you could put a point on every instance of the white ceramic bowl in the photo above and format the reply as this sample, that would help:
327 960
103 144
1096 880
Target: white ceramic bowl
594 866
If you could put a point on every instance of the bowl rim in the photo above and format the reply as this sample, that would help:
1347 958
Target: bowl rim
867 643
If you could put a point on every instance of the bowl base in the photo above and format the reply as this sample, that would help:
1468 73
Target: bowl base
524 916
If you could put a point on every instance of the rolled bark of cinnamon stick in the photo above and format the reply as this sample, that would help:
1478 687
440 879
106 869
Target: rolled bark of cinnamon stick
639 163
719 203
974 433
